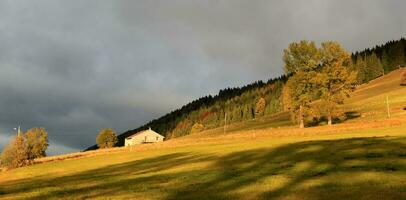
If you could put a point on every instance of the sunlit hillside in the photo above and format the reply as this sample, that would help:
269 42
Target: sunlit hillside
363 157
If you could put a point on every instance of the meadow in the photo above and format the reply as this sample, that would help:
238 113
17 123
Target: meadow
363 157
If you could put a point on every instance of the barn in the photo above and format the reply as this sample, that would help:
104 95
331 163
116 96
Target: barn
142 137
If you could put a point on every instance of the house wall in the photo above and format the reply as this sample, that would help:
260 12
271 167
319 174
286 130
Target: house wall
145 137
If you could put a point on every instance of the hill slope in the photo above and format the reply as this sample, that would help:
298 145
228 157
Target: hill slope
361 158
240 103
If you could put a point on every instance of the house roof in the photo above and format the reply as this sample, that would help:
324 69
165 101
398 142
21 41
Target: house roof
141 132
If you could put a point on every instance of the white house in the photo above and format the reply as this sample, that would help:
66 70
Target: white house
146 136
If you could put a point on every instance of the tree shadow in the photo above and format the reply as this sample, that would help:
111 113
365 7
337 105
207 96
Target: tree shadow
108 179
318 121
306 170
251 170
352 115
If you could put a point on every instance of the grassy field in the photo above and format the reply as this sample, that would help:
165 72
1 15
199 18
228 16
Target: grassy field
361 158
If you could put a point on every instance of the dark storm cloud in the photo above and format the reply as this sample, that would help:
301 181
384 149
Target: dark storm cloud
74 67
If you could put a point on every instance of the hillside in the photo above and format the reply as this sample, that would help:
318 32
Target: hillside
240 103
360 158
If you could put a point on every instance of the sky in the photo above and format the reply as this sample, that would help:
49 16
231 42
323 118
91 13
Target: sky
75 67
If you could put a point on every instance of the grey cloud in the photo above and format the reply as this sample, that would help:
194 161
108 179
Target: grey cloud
75 67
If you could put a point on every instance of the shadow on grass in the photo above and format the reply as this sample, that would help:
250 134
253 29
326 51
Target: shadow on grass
352 115
265 173
337 120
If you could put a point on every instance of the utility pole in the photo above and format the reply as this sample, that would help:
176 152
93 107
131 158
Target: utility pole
18 130
387 106
225 122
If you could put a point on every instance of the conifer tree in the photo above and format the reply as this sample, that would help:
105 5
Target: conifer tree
385 61
374 67
396 55
361 70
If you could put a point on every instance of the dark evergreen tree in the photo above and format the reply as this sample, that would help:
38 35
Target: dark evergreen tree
397 56
386 61
361 69
374 67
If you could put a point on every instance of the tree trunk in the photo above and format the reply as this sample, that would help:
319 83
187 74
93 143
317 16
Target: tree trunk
330 121
301 120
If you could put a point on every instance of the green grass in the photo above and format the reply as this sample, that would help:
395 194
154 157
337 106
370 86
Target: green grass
369 163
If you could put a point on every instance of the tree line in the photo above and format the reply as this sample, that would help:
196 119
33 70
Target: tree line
377 61
240 103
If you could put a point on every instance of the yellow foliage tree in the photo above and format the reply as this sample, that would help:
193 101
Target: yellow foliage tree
37 142
260 106
335 80
197 127
106 138
301 60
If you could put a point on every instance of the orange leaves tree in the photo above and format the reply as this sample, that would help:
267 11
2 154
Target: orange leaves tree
15 153
106 138
301 60
334 79
260 106
317 73
24 148
37 142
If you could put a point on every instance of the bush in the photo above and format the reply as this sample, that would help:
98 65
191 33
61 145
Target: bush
197 127
106 138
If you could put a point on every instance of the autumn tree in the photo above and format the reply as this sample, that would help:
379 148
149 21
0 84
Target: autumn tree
334 79
197 127
37 142
106 138
260 106
15 153
301 60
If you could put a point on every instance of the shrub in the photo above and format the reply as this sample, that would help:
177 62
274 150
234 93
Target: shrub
197 127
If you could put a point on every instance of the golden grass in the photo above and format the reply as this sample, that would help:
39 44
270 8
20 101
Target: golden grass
361 158
344 165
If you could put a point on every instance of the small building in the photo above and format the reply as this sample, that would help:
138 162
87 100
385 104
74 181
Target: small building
142 137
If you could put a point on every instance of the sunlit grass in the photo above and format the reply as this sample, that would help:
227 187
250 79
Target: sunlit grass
360 158
332 166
